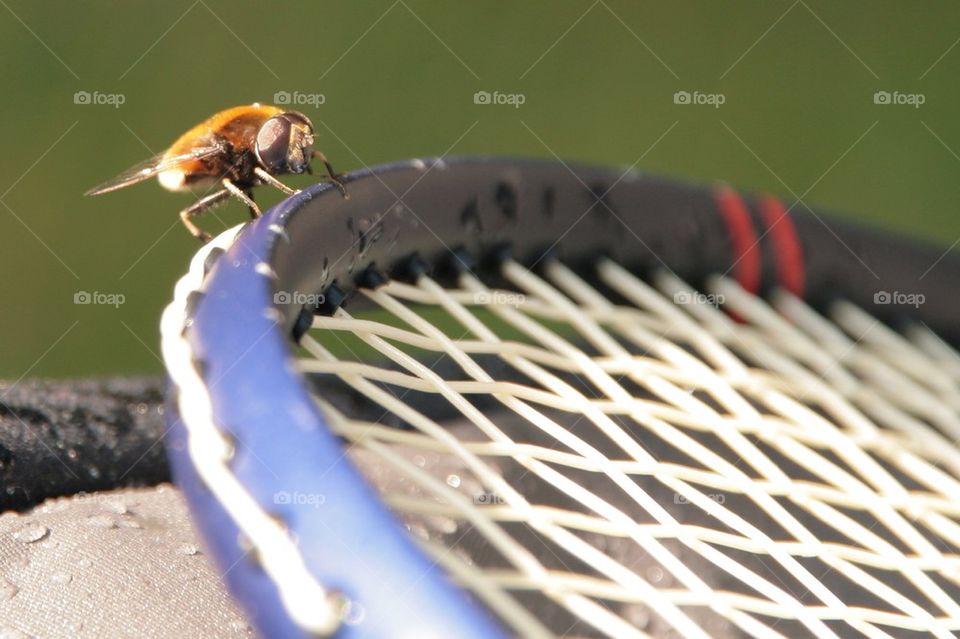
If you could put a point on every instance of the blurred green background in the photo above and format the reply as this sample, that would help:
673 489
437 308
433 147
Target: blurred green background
397 79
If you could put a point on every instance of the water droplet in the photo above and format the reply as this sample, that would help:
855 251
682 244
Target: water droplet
654 574
352 613
244 543
72 453
94 472
8 589
101 521
142 408
84 563
62 578
129 522
114 506
31 533
420 532
453 481
446 525
464 556
239 626
187 549
638 615
420 461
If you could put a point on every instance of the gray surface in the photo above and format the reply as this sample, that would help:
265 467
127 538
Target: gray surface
110 564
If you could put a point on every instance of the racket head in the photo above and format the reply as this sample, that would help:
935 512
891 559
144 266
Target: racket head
239 334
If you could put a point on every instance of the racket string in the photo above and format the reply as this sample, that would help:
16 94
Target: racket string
778 387
558 535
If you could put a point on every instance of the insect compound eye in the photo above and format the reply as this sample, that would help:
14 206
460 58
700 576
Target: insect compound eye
301 139
273 143
299 118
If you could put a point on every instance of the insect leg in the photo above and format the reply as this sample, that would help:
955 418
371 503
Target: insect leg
238 193
249 193
274 182
334 177
198 207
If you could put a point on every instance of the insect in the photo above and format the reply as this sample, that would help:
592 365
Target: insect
237 149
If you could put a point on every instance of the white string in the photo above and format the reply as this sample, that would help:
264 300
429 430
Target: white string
305 599
864 416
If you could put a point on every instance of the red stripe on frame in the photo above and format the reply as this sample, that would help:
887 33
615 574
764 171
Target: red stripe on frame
788 253
743 237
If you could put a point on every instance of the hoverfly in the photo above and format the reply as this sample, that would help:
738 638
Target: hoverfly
239 148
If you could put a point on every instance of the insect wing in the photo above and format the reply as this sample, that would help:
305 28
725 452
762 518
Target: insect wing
151 167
